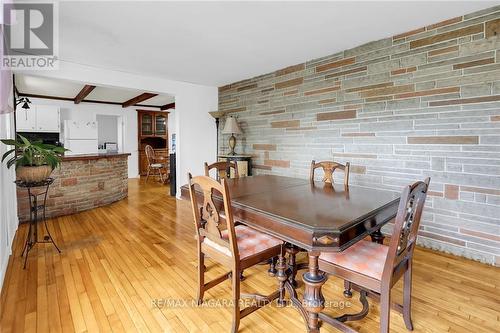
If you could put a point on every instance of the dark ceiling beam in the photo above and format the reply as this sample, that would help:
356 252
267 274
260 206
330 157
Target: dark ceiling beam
47 97
142 97
100 102
84 101
168 106
87 89
148 106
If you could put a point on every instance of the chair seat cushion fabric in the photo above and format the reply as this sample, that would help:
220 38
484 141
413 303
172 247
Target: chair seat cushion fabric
364 257
250 241
157 165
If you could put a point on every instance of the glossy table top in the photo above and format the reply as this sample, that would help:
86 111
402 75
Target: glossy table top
317 205
314 206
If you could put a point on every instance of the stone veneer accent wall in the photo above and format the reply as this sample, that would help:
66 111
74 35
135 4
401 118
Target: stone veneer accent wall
422 103
81 185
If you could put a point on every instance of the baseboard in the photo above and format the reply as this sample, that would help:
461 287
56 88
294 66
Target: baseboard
3 267
6 260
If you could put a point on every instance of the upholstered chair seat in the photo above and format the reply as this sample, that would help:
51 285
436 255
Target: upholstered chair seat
364 257
250 242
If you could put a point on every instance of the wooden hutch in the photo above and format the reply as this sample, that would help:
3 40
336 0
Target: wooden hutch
153 131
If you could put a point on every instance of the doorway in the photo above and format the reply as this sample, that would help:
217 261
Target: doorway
109 133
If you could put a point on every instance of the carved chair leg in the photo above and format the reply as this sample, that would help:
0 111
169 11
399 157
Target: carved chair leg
235 277
347 289
385 310
272 266
201 277
407 297
292 264
161 174
147 174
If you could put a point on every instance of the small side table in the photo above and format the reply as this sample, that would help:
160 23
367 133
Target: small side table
35 208
244 163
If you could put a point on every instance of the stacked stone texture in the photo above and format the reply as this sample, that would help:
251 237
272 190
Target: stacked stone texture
422 103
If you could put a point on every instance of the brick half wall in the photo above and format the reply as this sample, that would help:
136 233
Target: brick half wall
81 185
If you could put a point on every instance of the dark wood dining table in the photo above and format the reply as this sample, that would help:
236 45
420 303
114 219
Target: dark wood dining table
314 216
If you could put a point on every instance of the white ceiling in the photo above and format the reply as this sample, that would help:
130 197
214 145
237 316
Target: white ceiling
28 84
216 43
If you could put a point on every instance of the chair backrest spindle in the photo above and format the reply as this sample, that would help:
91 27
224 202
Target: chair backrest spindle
223 169
150 154
329 168
406 224
208 219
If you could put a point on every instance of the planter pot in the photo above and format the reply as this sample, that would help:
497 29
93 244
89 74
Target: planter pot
33 174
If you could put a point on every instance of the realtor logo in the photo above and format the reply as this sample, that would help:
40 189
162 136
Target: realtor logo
29 31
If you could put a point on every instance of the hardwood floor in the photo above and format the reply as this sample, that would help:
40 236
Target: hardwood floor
129 267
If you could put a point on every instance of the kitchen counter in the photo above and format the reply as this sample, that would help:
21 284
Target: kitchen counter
81 183
86 157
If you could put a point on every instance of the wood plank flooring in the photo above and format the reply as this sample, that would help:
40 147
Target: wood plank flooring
131 266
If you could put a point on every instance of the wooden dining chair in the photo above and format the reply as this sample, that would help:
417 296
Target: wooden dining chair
375 268
292 250
236 247
153 164
222 169
328 168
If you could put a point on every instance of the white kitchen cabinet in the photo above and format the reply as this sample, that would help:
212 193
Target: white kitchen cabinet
26 120
47 118
38 118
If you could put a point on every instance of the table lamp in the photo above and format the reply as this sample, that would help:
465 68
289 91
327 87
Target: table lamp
231 127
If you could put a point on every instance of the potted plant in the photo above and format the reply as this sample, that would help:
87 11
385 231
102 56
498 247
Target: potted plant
34 161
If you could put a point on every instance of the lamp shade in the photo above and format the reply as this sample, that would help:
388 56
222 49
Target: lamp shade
231 126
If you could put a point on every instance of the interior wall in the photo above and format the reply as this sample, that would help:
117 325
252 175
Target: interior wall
171 128
195 128
8 201
422 103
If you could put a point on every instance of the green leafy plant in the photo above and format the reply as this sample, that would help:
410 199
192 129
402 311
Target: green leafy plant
36 153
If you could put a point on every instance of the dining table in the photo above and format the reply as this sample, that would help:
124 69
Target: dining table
312 216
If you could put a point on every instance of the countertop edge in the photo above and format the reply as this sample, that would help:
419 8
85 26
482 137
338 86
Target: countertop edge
87 157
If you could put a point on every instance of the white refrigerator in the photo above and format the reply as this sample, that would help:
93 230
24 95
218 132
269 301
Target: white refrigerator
80 137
